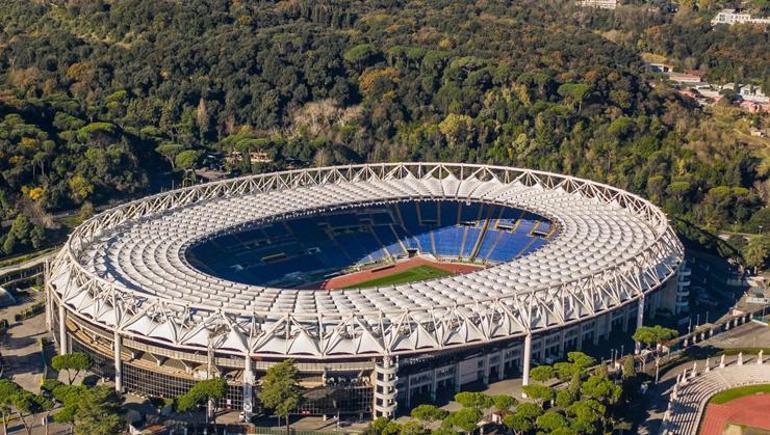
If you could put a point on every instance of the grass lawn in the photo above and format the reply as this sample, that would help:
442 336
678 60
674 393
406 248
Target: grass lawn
417 273
735 393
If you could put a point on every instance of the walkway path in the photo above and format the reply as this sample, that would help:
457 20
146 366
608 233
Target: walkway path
20 346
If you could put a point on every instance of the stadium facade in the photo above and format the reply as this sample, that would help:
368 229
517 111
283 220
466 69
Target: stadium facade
226 279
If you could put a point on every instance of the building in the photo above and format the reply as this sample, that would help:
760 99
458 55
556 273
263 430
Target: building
754 94
731 17
599 4
219 279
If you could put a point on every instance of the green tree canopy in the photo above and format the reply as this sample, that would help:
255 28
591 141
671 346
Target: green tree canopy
504 402
465 418
518 423
539 393
280 389
588 415
602 389
541 373
551 420
73 363
202 392
473 400
186 159
652 335
428 413
170 151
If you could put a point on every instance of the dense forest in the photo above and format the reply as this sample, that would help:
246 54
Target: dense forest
688 41
103 99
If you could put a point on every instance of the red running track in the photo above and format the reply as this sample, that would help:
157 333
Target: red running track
752 411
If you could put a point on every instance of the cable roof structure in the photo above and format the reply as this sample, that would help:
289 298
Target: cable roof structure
126 269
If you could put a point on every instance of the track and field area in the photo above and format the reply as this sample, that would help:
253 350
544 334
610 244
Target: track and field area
417 273
744 409
414 269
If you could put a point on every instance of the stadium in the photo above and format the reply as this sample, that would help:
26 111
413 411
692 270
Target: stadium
387 284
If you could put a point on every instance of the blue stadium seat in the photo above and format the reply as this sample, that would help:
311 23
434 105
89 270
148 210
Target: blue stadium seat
311 247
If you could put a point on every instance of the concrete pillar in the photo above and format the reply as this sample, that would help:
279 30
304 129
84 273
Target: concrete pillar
62 329
526 355
639 322
248 386
117 346
48 308
487 359
562 334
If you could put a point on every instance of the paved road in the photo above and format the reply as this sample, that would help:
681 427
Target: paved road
22 360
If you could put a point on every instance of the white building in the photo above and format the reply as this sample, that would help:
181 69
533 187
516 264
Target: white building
754 94
731 16
599 4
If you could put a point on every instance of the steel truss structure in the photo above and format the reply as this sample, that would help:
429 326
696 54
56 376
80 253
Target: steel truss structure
125 271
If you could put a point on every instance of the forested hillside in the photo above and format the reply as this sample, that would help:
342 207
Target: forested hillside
688 40
91 89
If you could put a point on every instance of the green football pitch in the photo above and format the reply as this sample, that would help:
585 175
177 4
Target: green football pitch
417 273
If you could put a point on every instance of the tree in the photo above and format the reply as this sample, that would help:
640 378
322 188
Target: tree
466 418
565 397
90 410
574 93
186 160
208 391
13 398
565 370
629 368
581 360
551 421
539 393
602 389
428 413
280 390
652 335
473 400
411 428
80 188
360 55
541 373
19 233
378 425
518 423
529 410
757 251
588 414
170 151
8 390
96 413
503 402
72 362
